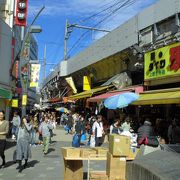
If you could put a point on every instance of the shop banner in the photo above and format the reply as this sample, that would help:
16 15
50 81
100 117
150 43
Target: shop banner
70 81
14 103
35 71
24 100
162 62
86 83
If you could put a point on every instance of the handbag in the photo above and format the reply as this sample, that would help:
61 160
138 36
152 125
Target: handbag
92 141
150 141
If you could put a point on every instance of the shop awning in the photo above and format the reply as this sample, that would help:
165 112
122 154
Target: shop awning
6 94
170 96
88 93
136 89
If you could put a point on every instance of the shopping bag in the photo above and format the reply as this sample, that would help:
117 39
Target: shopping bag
92 141
76 141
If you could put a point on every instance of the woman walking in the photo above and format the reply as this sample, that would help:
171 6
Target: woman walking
23 143
4 128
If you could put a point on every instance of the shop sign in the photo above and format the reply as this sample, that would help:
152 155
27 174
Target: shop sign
14 103
35 70
24 100
86 83
162 62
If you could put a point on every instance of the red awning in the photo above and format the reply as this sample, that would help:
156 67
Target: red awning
136 89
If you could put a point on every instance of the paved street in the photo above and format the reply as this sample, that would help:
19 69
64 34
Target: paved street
49 167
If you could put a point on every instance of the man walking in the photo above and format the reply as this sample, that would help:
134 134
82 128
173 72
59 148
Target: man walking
45 128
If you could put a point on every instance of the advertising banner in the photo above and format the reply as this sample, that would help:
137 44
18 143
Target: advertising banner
86 83
70 81
14 103
24 100
35 71
162 62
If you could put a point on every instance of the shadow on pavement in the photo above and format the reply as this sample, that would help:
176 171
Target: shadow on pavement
10 163
51 150
32 163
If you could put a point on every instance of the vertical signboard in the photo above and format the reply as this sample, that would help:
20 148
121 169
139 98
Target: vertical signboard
21 12
86 83
70 81
24 100
35 71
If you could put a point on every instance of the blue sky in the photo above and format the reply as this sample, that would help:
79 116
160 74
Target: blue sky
53 18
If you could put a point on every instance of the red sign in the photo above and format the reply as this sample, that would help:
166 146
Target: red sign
21 12
175 58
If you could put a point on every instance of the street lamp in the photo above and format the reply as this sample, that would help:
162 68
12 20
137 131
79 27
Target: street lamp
24 65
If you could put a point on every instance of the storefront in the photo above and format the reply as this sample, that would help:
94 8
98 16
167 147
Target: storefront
5 97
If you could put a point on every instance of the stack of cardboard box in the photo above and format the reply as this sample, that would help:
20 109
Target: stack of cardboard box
119 148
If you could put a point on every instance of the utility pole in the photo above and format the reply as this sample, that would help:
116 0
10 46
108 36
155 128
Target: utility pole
65 40
44 63
68 30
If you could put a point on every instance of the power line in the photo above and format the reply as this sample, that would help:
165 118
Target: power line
96 14
111 13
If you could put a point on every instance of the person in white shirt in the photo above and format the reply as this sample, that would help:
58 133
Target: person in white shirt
97 130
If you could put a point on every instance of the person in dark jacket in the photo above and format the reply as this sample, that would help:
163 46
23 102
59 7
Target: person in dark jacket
70 123
146 130
115 128
80 128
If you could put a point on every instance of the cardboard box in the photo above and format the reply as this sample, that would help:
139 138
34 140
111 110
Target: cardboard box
70 152
115 167
73 168
87 152
102 151
119 145
133 152
98 175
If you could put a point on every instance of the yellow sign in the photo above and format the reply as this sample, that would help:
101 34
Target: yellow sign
162 62
70 81
14 103
86 83
24 100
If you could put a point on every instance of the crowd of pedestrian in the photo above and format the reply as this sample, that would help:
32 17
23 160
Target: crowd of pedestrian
31 130
87 129
149 132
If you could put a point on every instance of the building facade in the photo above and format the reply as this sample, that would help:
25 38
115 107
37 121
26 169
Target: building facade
123 48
